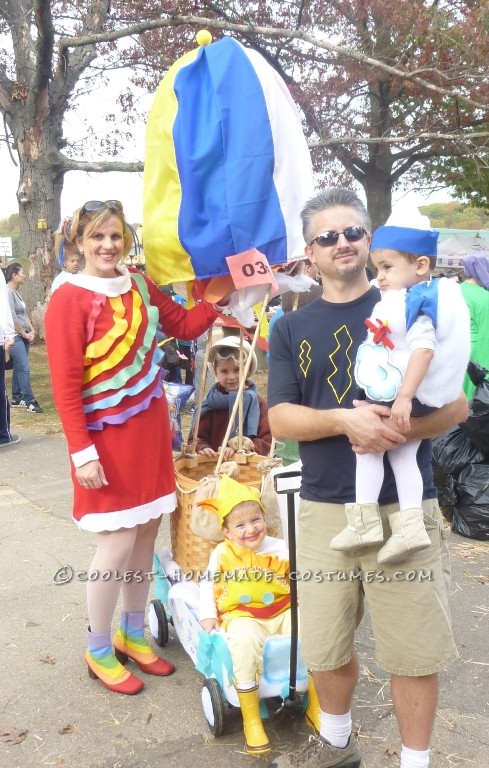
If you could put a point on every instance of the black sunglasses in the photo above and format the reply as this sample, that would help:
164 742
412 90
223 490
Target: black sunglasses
99 205
352 235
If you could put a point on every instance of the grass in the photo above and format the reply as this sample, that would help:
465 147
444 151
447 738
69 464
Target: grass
48 422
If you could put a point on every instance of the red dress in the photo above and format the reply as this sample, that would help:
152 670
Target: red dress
107 387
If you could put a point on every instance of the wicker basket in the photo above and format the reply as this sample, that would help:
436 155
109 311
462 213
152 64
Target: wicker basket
192 552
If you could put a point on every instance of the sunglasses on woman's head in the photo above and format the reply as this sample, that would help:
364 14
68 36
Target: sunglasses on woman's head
99 205
351 234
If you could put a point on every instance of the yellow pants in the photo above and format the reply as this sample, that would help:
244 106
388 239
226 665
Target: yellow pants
246 638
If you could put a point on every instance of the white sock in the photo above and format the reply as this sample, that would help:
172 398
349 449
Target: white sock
246 686
414 758
336 728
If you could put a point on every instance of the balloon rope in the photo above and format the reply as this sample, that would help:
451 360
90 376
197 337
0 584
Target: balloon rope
244 376
240 411
190 449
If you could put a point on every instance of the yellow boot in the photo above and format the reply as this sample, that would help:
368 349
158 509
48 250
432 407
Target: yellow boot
313 709
256 740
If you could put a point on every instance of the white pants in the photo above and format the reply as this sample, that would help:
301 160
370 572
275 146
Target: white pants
246 638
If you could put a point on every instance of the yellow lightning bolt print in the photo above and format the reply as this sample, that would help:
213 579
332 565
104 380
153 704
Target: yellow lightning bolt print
304 357
343 345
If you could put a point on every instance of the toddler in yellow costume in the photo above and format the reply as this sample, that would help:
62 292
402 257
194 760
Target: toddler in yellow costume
246 592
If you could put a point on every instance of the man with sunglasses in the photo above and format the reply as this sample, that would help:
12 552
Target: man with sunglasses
312 397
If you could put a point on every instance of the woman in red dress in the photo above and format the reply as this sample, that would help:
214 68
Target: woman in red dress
107 385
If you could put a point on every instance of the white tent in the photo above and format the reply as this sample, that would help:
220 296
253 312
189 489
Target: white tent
451 252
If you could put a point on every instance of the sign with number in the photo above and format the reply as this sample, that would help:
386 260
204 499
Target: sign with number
250 268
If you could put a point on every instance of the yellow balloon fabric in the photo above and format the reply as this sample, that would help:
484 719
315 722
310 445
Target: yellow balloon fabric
162 190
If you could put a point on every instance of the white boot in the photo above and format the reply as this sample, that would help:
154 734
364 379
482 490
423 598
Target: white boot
364 528
408 535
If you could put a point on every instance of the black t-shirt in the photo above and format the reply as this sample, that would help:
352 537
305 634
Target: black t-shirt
312 358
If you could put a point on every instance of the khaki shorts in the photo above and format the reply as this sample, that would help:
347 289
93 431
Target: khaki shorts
408 601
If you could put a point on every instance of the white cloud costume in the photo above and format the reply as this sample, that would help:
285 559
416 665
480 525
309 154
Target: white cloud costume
430 315
445 330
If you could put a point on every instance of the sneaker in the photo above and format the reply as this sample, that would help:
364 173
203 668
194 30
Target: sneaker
18 404
319 753
13 439
34 407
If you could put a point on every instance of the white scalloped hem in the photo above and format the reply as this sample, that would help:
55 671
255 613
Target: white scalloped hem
127 518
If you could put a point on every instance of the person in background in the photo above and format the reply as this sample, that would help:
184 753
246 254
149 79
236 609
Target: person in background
312 397
185 351
22 394
291 300
108 388
219 402
71 265
171 359
7 336
199 367
475 290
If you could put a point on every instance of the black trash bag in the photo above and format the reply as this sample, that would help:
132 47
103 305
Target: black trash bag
452 451
447 496
471 513
476 373
477 424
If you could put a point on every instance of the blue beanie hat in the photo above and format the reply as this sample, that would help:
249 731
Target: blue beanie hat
422 242
418 239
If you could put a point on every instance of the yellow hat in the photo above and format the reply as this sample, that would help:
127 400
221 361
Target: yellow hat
230 494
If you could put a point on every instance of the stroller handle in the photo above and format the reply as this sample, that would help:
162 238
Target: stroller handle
294 629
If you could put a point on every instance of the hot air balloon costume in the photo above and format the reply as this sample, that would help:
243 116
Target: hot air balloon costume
227 172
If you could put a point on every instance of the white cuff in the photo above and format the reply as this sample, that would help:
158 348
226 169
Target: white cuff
83 457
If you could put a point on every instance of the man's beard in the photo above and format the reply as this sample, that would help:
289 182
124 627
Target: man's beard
353 269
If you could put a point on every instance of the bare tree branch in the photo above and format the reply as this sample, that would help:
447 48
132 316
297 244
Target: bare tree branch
7 141
102 166
361 140
273 32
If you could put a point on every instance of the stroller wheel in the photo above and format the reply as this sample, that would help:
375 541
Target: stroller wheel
158 622
213 706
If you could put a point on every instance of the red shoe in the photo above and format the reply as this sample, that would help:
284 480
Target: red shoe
113 675
144 657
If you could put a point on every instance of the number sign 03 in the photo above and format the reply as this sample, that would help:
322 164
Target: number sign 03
250 268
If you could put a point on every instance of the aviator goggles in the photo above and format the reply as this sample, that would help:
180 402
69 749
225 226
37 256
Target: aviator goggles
327 239
99 205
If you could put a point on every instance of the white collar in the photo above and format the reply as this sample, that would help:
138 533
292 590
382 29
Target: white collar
108 286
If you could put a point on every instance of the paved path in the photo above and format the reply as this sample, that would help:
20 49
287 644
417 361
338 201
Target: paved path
61 718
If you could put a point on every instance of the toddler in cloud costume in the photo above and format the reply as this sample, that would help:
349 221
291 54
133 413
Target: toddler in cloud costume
414 358
246 592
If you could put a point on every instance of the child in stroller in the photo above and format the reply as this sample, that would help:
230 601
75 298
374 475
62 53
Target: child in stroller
280 675
246 591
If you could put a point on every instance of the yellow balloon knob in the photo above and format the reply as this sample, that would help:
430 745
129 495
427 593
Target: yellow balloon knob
203 37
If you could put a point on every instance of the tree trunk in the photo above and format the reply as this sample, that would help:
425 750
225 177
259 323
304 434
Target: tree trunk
39 196
377 185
